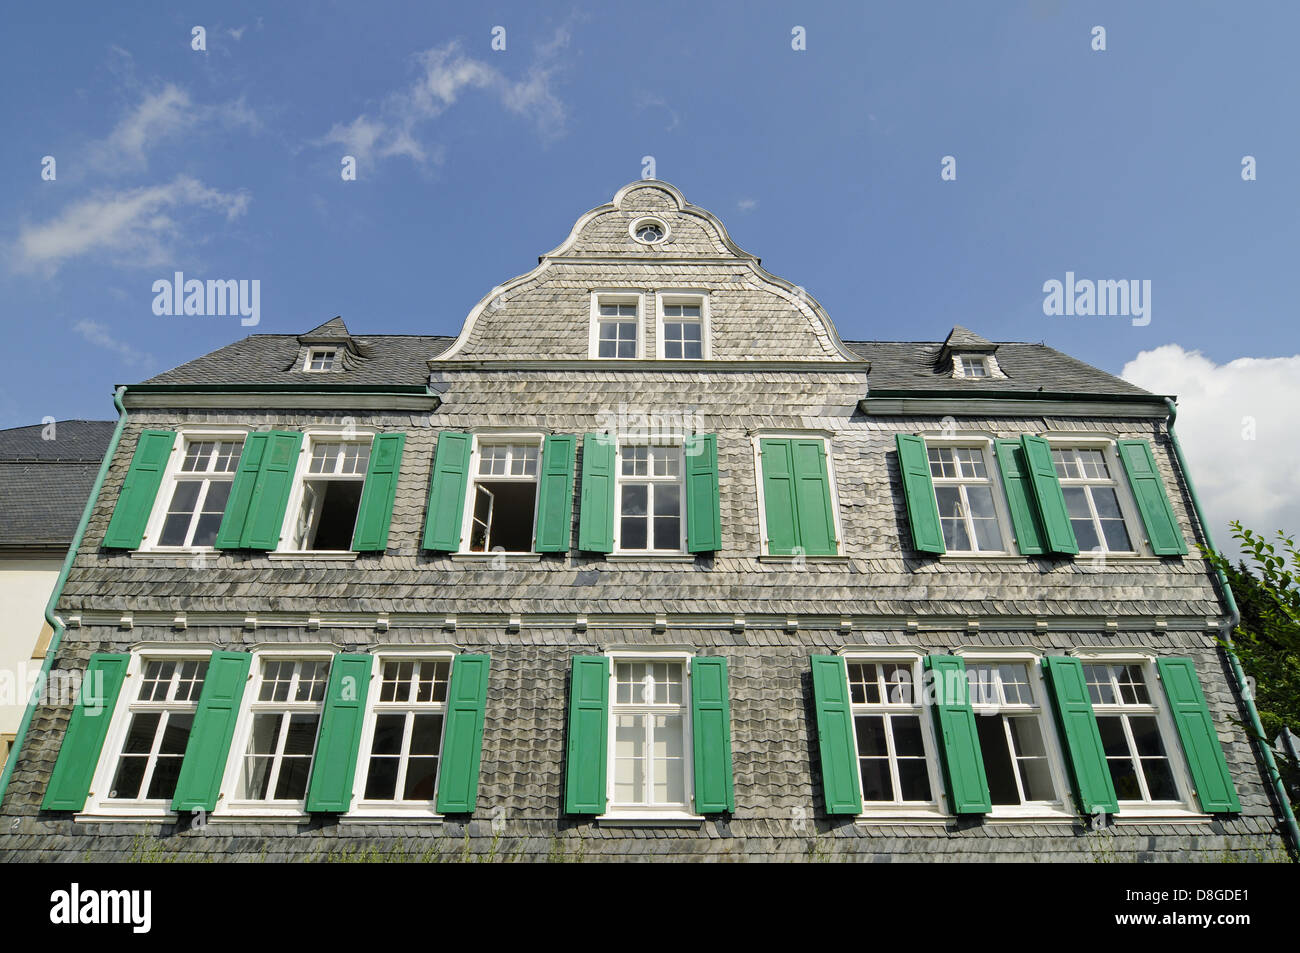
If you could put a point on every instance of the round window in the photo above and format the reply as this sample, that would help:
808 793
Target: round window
649 231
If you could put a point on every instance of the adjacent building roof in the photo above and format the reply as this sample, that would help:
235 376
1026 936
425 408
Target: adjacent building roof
46 472
895 365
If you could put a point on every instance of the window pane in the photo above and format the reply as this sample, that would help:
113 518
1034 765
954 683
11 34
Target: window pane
426 735
898 684
907 736
1160 779
381 781
1100 689
629 759
876 782
997 759
871 736
389 731
1113 740
420 776
863 685
914 780
669 767
301 737
1146 736
129 777
140 736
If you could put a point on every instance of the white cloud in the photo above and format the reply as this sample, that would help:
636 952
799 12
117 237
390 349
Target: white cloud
446 73
1237 478
166 114
99 335
747 205
136 227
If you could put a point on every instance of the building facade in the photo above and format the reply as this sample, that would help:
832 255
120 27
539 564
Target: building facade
46 472
646 563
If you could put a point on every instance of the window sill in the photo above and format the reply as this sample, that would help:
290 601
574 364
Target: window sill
313 556
928 818
242 817
767 558
203 552
160 817
1170 816
363 818
651 819
1046 816
515 558
686 558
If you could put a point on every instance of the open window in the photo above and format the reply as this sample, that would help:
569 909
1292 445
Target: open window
503 496
331 495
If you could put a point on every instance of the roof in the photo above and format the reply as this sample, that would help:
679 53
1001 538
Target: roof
1029 369
895 365
46 473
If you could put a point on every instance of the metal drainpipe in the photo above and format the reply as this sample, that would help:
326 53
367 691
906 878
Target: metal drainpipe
55 624
1228 624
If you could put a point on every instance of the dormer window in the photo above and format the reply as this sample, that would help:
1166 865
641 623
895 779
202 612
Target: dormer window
973 366
321 359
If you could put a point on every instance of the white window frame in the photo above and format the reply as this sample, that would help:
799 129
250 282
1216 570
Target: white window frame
301 476
227 804
993 469
1133 525
675 441
937 809
1063 807
616 296
614 812
172 474
966 361
686 297
636 223
497 438
826 437
1187 806
374 707
313 353
98 803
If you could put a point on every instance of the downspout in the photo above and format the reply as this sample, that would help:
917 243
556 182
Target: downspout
1228 624
50 617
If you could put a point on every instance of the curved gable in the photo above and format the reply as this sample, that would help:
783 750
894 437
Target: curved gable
546 314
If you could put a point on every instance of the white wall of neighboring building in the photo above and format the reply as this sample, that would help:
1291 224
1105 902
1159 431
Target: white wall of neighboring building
25 586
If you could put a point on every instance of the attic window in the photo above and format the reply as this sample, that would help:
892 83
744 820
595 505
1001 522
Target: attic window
973 366
321 359
649 231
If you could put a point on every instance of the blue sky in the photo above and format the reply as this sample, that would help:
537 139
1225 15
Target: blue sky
825 162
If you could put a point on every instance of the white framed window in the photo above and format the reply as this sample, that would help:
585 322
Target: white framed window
195 490
650 771
401 743
617 329
1098 504
648 230
1135 734
147 736
682 326
502 494
1022 761
275 741
973 366
649 498
897 762
320 359
322 511
972 512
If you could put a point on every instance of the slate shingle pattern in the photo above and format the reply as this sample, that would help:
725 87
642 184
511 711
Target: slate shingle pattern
44 482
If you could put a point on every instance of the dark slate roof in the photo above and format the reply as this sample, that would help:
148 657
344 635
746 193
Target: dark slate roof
964 339
1030 369
44 483
276 358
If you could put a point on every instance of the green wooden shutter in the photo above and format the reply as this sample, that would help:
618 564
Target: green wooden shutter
812 498
1153 503
841 784
1078 724
271 489
1047 494
703 509
335 764
462 737
963 761
445 513
711 726
1205 756
555 494
918 490
375 511
779 506
139 488
208 749
1020 497
87 728
586 750
231 531
596 514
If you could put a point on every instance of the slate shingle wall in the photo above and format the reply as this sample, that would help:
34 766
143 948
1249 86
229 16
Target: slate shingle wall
780 813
